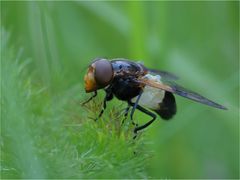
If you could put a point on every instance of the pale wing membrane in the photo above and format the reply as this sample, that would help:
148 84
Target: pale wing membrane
156 84
164 74
176 89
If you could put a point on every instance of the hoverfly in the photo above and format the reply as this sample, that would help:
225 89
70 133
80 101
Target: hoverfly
142 88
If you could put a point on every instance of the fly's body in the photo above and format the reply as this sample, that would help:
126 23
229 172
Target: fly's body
140 87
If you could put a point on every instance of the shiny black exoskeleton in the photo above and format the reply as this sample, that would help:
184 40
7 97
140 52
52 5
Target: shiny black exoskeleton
124 85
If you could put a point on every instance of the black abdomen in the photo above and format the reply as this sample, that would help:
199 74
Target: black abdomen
168 106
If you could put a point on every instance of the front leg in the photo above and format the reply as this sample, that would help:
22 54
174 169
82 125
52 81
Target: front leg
108 97
93 96
126 113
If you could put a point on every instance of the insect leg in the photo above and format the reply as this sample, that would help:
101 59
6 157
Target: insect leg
134 108
103 108
93 96
149 122
146 112
126 113
108 97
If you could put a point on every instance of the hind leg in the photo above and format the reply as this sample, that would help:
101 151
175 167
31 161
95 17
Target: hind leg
138 128
134 108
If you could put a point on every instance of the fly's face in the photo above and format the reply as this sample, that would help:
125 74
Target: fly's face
99 75
89 80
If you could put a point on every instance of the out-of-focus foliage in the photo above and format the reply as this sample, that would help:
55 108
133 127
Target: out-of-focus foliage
45 49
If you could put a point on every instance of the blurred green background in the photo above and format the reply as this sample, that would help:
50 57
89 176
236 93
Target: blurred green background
45 49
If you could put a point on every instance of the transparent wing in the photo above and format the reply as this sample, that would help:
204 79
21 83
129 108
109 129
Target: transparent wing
181 91
164 74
